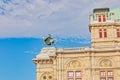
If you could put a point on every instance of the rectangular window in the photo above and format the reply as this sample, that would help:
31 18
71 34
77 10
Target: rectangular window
78 79
78 74
104 18
102 73
118 32
74 75
70 74
110 73
118 35
110 78
102 79
105 33
99 18
106 75
70 79
100 33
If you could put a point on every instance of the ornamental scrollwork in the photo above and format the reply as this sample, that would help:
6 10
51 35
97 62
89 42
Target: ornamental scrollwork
105 63
74 64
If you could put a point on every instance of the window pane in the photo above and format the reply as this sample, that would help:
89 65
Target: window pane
99 18
100 33
104 18
78 79
102 73
70 74
118 32
102 79
110 73
70 79
105 34
110 78
78 74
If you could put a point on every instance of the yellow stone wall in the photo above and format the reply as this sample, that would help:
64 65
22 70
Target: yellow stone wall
110 40
90 63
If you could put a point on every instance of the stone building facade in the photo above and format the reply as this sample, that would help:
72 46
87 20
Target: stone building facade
100 61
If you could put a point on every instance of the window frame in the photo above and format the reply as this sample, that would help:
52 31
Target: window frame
69 74
118 33
106 76
105 33
102 33
74 77
99 18
79 74
102 18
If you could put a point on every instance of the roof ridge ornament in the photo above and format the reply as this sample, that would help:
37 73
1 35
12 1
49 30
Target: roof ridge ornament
49 41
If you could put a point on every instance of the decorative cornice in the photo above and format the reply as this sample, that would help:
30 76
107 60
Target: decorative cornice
80 50
87 49
104 24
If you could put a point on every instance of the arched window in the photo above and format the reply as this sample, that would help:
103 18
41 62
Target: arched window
73 70
106 73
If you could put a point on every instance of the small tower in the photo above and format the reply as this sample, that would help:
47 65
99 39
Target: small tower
104 27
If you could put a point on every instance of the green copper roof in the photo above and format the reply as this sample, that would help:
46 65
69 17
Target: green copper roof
95 16
116 11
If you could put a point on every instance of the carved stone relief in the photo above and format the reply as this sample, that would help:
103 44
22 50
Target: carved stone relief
74 64
46 76
106 63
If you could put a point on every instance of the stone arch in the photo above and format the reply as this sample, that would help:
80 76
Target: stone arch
73 68
105 62
73 63
46 76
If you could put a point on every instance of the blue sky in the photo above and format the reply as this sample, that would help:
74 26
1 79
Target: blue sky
16 55
23 23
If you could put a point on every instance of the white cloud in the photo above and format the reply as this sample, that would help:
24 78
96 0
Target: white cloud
35 18
34 51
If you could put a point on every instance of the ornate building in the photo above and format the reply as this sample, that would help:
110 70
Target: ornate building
100 61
